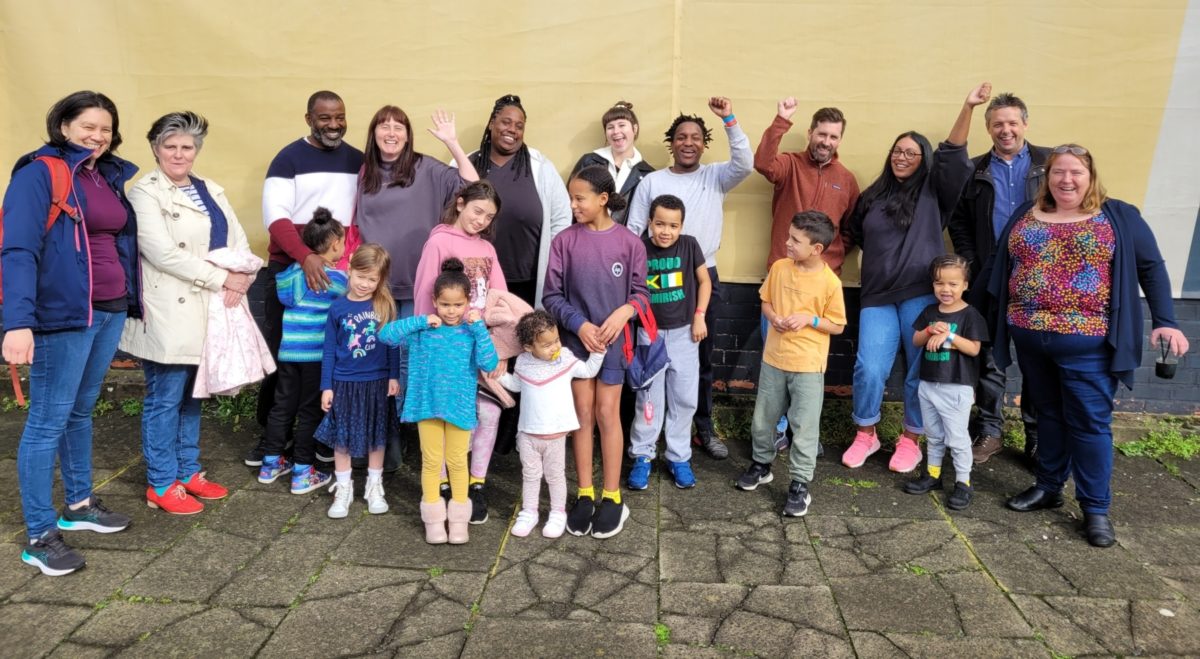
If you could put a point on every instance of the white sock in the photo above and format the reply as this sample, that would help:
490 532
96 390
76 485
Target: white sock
343 477
374 474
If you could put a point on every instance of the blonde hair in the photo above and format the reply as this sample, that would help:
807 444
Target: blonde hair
372 257
1095 195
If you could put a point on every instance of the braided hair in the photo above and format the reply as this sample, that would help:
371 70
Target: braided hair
482 158
683 119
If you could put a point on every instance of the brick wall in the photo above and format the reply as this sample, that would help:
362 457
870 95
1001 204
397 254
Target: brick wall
738 348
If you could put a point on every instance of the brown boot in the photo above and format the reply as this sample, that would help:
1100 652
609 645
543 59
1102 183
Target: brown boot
986 447
459 514
434 516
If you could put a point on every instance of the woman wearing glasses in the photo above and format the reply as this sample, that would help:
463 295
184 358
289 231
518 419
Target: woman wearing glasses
1066 274
898 223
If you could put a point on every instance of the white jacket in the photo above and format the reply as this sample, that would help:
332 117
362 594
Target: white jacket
556 209
176 279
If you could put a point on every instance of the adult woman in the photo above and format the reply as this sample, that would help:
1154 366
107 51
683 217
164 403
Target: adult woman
1066 274
402 193
67 290
181 217
536 207
898 223
619 155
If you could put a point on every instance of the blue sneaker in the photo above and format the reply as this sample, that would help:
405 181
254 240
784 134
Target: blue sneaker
639 475
682 473
306 479
272 468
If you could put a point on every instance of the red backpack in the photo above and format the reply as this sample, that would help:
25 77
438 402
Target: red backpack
60 193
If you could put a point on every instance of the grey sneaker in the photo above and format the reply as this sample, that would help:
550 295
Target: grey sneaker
798 499
94 517
712 444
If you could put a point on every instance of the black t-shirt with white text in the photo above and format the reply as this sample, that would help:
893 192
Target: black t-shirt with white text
671 278
949 365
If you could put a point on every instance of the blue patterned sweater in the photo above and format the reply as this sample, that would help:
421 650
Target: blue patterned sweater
305 312
442 364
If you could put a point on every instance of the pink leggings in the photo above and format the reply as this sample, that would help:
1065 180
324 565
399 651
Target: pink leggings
483 437
543 457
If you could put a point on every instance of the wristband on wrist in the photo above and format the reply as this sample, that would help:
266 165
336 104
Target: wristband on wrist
950 338
816 321
730 120
699 312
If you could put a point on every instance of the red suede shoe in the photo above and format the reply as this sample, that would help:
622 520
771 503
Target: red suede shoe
176 500
202 488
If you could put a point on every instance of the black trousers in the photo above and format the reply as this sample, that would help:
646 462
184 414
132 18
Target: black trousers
704 401
273 333
989 397
297 400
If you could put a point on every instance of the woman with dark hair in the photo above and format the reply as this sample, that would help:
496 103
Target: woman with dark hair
68 287
1066 275
619 155
181 218
898 223
536 207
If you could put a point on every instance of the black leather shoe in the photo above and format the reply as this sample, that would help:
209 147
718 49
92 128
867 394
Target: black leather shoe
1100 532
1035 499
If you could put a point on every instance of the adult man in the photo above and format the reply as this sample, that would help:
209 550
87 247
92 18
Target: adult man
703 189
812 179
1005 177
318 170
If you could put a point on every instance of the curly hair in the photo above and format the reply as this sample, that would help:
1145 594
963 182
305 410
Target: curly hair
532 325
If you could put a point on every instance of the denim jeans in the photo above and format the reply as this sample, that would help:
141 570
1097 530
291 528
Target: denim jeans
1072 389
170 423
882 331
64 382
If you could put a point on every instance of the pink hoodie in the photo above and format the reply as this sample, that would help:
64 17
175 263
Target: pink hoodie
476 253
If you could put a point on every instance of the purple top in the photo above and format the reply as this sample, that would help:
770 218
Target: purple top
106 216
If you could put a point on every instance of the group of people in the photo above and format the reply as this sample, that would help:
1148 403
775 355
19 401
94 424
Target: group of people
410 297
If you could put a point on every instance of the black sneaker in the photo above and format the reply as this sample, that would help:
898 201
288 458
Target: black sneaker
323 453
756 475
444 491
255 455
479 513
95 517
579 520
960 498
50 554
714 446
923 484
609 519
798 499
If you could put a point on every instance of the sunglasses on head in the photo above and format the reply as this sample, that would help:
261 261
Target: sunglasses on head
509 99
1071 149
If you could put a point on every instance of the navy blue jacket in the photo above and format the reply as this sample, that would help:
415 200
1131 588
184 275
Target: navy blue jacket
1136 262
48 275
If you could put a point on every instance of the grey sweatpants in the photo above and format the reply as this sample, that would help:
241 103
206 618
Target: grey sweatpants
801 396
671 398
946 409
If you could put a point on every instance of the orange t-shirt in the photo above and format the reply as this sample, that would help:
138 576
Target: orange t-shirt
791 290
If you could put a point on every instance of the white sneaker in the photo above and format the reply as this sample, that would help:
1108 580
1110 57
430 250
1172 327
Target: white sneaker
526 520
342 496
376 505
556 523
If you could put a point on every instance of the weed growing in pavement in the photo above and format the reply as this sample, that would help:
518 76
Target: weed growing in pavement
1166 440
855 483
662 633
435 572
103 406
915 569
9 404
131 407
233 410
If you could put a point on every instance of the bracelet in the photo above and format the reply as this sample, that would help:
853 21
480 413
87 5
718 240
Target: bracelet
699 312
730 120
950 338
816 321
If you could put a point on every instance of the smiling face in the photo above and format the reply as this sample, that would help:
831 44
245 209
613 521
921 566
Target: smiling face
546 346
949 285
586 205
91 129
620 134
1069 180
391 135
327 121
362 284
823 141
175 156
1007 128
508 130
905 158
665 226
474 216
451 305
687 146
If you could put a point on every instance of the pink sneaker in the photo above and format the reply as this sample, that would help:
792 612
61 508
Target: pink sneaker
907 456
864 445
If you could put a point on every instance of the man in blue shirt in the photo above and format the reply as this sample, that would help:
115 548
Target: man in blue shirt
1005 177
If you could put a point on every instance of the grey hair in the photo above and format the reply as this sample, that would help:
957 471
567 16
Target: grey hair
178 123
1007 100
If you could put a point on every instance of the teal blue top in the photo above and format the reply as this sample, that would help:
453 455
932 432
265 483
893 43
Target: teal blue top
305 312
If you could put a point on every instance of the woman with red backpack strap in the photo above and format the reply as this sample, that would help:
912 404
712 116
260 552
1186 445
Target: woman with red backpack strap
68 288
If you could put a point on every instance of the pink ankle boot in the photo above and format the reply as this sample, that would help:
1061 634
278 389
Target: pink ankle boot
434 516
459 515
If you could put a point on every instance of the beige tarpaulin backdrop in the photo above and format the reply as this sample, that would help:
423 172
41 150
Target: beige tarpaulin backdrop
1096 72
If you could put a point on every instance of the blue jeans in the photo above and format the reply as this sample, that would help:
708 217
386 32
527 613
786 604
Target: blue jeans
64 382
1072 388
170 423
882 331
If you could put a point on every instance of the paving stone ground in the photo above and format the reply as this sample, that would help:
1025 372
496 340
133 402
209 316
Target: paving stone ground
707 572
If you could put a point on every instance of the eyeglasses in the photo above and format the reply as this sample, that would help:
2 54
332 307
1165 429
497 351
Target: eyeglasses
906 154
1071 149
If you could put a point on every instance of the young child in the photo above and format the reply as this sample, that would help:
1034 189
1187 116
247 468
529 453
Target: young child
596 267
802 302
543 376
679 286
951 332
465 233
358 374
298 387
445 351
